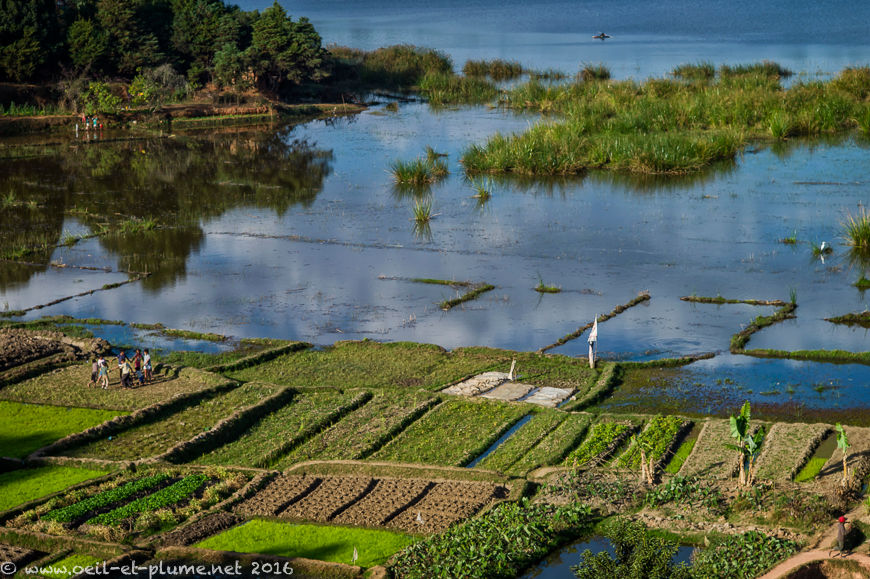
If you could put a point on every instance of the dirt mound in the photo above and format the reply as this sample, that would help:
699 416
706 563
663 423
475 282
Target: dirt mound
19 347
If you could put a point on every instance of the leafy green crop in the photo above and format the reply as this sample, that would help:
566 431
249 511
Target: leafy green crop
601 437
105 498
657 437
164 497
498 544
746 555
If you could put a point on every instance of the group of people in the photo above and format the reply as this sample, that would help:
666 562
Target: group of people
138 368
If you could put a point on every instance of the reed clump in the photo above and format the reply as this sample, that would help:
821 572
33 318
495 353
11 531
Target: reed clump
700 71
667 125
857 231
446 88
593 72
420 171
397 66
496 69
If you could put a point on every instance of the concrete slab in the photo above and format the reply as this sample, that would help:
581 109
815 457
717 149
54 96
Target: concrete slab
509 391
477 384
548 396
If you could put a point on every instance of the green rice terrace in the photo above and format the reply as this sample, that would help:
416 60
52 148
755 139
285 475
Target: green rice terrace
366 459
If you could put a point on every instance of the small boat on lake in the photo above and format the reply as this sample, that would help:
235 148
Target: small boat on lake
601 36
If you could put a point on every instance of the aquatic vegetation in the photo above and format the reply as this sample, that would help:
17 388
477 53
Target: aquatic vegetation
419 171
546 289
857 230
497 69
422 211
467 296
594 72
700 71
857 319
764 68
443 89
398 66
660 125
483 190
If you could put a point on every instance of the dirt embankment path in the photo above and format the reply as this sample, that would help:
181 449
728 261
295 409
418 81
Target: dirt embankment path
821 550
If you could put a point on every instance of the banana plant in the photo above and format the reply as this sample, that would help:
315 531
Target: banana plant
748 444
843 444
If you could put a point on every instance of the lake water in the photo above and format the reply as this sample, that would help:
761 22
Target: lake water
299 232
648 38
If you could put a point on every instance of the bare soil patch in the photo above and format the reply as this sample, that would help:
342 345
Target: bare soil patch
373 502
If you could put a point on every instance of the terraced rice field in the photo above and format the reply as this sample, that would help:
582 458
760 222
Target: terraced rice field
69 387
25 428
785 447
453 433
523 441
287 425
603 439
555 446
362 432
710 457
413 505
130 504
658 436
23 485
157 437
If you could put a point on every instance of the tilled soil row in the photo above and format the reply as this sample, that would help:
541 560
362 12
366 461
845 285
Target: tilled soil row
18 556
416 505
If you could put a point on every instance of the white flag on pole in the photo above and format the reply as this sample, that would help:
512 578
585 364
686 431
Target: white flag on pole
593 336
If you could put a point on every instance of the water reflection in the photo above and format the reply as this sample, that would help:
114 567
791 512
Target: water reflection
180 183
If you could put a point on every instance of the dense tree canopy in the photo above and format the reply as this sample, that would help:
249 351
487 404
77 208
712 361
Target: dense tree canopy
206 40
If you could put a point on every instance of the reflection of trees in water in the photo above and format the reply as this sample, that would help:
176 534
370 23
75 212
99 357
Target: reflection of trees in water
181 182
161 252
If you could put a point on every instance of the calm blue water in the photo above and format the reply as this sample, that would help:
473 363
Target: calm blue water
648 38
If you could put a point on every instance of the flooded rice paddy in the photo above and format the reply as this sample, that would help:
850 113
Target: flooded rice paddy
300 233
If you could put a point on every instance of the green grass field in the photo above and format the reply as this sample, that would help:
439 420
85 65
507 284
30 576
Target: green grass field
553 448
453 433
291 420
324 543
361 432
27 427
23 485
64 567
69 387
156 437
371 364
523 440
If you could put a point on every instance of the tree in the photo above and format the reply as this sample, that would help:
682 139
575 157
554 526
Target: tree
284 52
88 45
748 444
843 445
29 37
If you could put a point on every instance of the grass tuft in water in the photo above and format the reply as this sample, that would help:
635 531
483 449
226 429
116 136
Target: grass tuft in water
546 289
423 211
444 89
594 72
857 230
791 240
418 171
496 69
